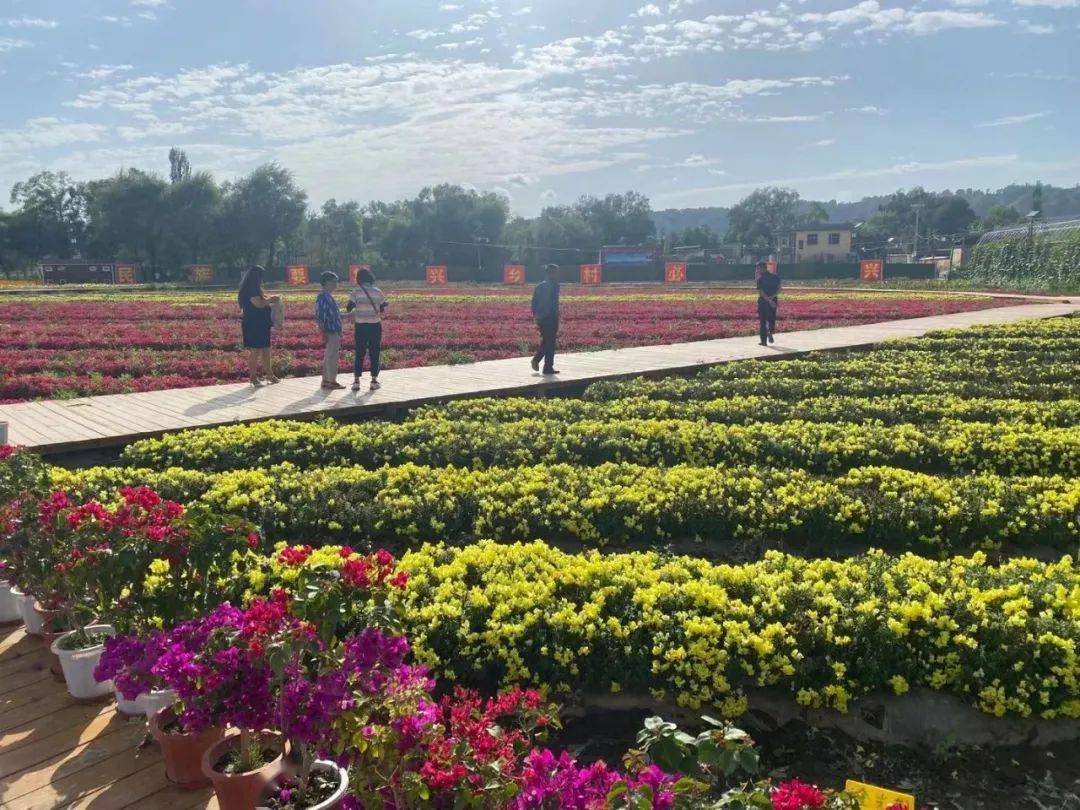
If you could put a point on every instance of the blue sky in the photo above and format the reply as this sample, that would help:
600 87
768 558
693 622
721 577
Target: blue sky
694 102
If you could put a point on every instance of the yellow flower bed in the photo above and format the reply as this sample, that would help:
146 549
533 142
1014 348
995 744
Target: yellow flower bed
1004 639
727 511
815 446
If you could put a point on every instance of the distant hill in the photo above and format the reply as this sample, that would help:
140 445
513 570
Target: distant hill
1057 202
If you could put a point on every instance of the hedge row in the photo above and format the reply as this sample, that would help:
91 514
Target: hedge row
1005 639
813 446
728 512
741 410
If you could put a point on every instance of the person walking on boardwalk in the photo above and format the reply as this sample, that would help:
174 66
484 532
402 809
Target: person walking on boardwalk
768 287
328 316
367 305
545 309
255 324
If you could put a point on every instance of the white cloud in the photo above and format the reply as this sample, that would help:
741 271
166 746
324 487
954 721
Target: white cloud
649 10
1039 29
869 109
8 44
895 170
548 195
451 7
149 3
822 143
47 133
100 72
869 16
1048 3
30 22
521 12
1013 120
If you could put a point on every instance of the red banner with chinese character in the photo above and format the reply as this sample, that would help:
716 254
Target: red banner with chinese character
591 273
436 273
125 274
872 270
296 275
201 273
675 272
514 274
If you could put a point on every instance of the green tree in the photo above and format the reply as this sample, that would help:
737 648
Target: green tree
128 213
763 218
51 217
336 234
262 212
192 208
618 219
179 167
1001 216
950 215
696 236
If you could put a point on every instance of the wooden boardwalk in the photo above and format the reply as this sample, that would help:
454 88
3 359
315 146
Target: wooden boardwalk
90 423
55 752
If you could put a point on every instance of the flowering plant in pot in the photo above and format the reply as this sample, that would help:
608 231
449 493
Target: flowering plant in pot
23 476
128 662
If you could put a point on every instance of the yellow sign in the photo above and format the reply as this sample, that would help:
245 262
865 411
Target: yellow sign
872 797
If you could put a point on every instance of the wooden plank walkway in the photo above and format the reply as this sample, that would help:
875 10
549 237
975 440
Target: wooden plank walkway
90 423
55 752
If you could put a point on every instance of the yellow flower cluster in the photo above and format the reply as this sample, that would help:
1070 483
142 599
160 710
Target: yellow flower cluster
1006 639
724 511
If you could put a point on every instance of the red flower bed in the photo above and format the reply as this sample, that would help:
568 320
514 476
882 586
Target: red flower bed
53 347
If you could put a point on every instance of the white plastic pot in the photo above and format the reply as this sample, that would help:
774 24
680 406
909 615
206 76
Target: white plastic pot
156 700
78 666
129 708
30 617
333 801
9 603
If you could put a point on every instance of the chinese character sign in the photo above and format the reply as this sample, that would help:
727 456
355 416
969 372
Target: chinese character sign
436 274
125 274
591 273
201 273
872 270
296 275
871 797
514 274
675 272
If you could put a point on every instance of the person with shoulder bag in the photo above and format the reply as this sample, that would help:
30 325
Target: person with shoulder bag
367 305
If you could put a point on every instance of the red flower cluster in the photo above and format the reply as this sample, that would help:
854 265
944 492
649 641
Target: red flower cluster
467 722
294 555
54 348
796 795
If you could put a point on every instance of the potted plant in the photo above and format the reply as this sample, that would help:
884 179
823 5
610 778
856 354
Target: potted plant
127 661
23 477
79 651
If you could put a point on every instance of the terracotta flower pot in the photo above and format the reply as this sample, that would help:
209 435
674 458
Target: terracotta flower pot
241 791
183 753
49 636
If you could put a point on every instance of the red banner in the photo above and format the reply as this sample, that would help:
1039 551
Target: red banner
675 272
514 274
872 270
201 273
591 273
436 273
354 271
296 275
125 274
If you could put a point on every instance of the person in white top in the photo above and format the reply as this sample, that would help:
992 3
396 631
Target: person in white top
367 305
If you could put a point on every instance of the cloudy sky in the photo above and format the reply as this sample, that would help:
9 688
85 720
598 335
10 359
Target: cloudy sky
694 102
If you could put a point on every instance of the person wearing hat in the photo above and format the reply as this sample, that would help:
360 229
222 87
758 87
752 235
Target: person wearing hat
545 309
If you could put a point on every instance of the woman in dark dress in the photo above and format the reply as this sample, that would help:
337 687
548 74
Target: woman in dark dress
255 325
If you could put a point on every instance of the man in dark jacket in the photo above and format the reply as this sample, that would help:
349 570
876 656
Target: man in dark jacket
768 287
545 308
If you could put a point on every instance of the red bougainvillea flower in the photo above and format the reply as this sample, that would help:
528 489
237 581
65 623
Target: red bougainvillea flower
796 795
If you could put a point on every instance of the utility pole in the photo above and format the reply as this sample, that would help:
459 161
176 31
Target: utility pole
915 247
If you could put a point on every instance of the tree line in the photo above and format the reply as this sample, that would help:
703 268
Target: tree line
168 223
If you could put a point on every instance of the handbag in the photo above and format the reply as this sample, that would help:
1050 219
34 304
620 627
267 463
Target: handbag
371 301
277 315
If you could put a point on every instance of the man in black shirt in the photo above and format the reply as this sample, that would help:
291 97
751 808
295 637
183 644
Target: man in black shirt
768 287
545 309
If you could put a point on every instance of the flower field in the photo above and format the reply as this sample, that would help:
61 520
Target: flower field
898 523
101 343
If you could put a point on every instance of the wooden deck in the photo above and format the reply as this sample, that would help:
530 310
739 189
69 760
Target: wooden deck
90 423
55 752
